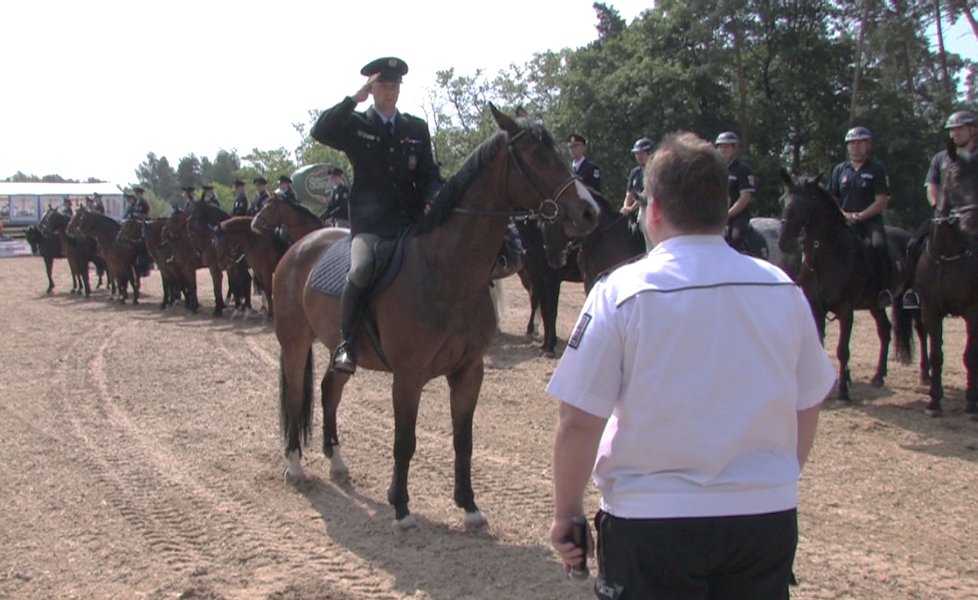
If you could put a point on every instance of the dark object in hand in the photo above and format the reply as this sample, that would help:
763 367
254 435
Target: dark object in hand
579 538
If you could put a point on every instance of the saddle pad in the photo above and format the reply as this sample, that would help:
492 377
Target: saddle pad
329 274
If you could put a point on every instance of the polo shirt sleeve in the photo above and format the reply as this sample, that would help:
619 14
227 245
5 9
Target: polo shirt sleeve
744 179
834 183
589 374
881 184
815 374
934 172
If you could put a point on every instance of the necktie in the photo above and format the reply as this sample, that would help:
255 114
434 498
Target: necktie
390 128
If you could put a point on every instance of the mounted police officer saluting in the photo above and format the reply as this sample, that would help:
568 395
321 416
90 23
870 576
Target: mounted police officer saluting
395 175
861 188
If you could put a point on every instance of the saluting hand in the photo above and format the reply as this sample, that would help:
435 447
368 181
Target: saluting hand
364 92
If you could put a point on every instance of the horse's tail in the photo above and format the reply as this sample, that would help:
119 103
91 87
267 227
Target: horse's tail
902 330
144 262
300 424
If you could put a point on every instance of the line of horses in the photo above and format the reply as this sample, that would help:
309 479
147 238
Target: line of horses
435 318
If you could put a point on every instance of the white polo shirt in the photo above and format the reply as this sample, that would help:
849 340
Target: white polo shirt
701 358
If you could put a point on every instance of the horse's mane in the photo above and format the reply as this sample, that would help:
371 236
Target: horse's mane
811 185
102 222
301 209
209 211
236 224
451 193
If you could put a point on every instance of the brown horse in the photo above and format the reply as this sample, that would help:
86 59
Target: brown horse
258 250
122 258
946 277
47 239
278 213
150 233
436 317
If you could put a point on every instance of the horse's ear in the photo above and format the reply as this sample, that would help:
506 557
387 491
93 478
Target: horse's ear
505 122
786 178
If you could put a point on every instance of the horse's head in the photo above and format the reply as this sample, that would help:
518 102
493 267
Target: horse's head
131 231
53 222
33 236
539 172
201 219
74 223
798 205
959 188
225 249
175 227
270 216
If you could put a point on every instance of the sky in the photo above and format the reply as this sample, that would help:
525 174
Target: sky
90 87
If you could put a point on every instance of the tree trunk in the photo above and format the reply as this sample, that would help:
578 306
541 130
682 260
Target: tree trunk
962 6
942 55
858 70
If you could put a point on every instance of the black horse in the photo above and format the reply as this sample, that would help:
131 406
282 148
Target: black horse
46 244
946 276
836 271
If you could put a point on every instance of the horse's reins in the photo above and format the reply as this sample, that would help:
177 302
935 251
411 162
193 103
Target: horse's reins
548 209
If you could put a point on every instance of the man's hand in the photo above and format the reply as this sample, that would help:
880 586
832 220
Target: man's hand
560 539
364 92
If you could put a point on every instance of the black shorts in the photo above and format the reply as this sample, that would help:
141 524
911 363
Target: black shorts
690 558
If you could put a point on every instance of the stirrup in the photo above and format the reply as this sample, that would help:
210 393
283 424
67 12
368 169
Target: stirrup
344 360
911 300
884 299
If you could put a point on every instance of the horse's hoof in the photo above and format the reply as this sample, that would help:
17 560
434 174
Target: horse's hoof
475 520
933 412
294 480
876 382
548 354
406 524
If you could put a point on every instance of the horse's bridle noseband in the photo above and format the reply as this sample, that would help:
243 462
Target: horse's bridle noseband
548 210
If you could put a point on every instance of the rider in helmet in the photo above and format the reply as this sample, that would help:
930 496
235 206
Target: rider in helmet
741 191
861 188
635 200
962 128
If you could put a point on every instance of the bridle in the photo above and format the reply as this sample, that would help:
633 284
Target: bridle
548 210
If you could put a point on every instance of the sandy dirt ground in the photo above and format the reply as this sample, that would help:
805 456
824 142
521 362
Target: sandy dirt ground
140 457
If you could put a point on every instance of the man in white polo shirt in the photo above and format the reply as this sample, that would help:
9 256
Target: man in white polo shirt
691 387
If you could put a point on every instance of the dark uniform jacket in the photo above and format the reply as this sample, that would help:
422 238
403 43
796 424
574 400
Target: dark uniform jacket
636 184
240 205
589 173
741 180
857 190
212 200
137 210
394 177
339 204
288 195
259 202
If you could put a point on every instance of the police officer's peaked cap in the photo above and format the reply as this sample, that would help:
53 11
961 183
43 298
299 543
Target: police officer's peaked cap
138 190
207 187
335 171
284 179
962 117
727 137
96 195
576 137
188 188
238 183
858 133
389 67
643 144
260 180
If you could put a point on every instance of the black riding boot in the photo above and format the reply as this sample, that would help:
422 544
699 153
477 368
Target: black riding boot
345 357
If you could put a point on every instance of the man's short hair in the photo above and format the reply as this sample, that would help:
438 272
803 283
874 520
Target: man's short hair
689 180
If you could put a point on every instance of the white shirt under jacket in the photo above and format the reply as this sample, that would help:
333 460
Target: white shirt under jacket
701 357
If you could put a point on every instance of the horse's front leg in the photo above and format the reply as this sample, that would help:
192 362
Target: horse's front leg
883 331
934 324
845 318
217 276
332 391
49 269
971 364
924 363
464 386
406 397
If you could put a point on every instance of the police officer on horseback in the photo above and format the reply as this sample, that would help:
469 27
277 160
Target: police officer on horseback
285 190
337 209
741 191
635 201
240 207
138 205
962 128
581 165
261 195
861 188
395 177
